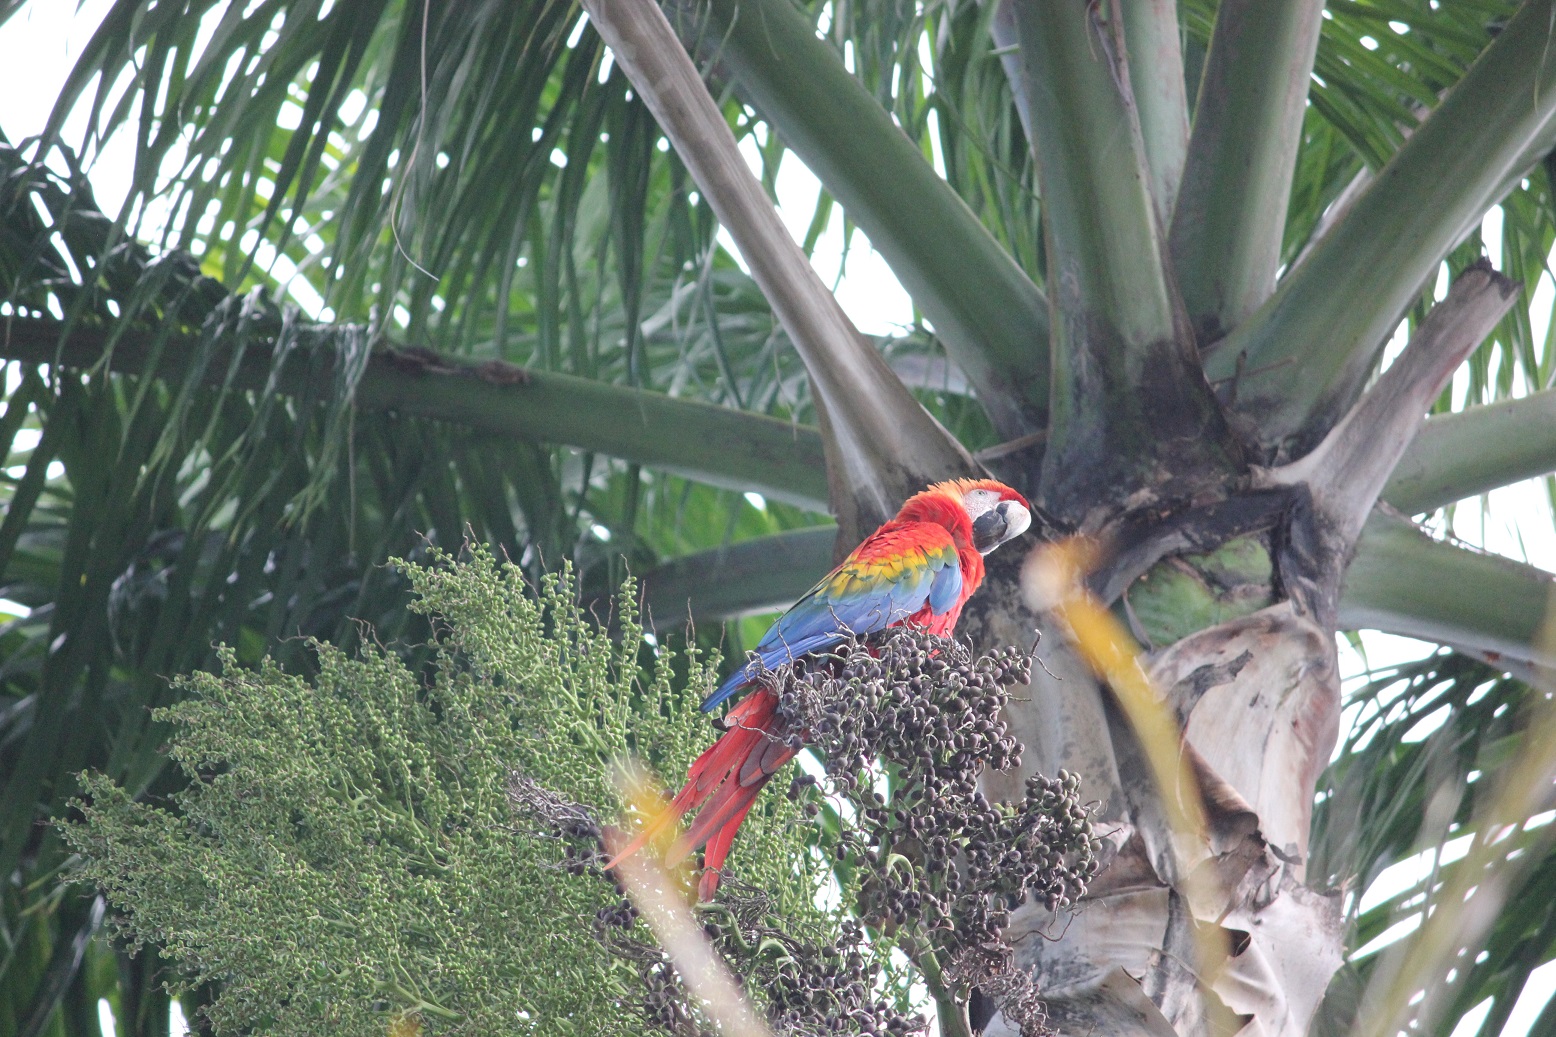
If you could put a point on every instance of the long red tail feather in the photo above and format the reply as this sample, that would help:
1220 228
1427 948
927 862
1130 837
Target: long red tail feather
718 846
723 782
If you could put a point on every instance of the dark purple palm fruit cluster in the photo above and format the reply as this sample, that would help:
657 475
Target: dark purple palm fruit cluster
906 725
811 987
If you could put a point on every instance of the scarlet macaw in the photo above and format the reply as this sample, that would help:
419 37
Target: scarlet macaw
918 569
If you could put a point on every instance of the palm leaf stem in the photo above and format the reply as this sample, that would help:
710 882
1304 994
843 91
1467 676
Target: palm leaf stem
1117 323
881 442
1400 581
1405 582
1152 40
715 444
1231 209
1305 356
1474 451
1345 473
991 318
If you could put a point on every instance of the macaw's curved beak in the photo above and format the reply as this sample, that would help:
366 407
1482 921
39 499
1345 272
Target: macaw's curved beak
1005 521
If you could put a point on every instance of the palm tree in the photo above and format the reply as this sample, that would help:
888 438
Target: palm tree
1157 250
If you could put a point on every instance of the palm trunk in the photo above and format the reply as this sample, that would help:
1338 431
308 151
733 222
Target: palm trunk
1230 572
1217 930
1260 701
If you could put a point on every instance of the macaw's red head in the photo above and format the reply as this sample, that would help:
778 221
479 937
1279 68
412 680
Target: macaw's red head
997 512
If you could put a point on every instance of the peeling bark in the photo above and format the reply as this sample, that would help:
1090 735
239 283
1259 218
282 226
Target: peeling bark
1268 731
1259 697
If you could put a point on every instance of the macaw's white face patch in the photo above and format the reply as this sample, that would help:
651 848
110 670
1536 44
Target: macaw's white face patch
979 502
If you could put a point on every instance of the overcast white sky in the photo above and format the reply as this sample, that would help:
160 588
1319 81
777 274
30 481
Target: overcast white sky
38 47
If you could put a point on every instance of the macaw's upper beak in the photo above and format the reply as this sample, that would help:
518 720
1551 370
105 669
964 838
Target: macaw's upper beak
1005 521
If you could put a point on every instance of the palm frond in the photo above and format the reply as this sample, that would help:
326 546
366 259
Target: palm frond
1401 795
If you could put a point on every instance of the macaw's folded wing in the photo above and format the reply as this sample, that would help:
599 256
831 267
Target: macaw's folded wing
905 570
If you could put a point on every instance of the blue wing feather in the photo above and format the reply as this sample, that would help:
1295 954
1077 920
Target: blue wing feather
858 597
946 590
